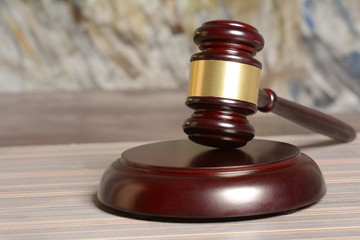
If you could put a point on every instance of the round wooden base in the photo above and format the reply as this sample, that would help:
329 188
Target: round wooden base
182 179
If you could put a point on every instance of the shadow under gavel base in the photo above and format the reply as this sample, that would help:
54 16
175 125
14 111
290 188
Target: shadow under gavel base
181 179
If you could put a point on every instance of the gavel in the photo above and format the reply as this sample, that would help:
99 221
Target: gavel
224 90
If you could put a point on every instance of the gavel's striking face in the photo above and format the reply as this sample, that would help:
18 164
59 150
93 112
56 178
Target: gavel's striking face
224 84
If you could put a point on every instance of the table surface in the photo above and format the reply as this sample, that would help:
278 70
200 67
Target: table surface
92 117
49 192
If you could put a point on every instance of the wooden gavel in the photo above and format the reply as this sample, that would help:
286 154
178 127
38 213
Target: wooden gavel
224 89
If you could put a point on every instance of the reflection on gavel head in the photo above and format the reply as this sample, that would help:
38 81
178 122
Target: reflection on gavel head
224 84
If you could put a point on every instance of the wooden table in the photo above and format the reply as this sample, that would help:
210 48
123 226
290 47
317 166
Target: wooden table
49 192
92 117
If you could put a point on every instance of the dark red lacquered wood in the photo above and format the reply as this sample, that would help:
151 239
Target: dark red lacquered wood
219 122
306 117
185 180
228 41
211 125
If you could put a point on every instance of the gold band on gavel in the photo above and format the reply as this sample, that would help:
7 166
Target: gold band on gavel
224 79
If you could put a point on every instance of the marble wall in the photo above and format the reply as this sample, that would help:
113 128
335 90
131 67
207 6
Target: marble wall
311 54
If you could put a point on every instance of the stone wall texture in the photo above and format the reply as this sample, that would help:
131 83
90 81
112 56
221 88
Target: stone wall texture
311 54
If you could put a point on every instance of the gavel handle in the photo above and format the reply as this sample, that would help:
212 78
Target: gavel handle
304 116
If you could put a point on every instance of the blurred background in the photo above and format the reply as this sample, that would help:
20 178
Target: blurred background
311 54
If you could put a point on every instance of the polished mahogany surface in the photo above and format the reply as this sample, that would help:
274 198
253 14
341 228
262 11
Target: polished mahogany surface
228 41
185 180
190 156
221 122
216 122
306 117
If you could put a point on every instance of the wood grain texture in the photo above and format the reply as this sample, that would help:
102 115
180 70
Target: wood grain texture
93 117
48 192
60 118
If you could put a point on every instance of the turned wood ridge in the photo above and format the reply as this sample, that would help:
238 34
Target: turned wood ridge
224 90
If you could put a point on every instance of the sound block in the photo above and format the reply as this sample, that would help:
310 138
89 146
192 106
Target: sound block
182 179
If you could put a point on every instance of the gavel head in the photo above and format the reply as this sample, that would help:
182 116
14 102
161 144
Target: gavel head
224 84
